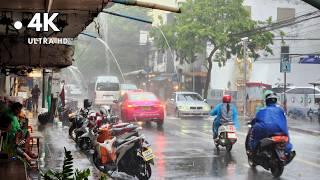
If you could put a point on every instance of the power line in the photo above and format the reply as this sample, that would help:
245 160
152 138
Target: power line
297 39
306 27
280 24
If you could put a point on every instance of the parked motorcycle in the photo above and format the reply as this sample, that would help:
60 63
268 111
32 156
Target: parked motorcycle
77 120
126 152
270 153
87 139
227 136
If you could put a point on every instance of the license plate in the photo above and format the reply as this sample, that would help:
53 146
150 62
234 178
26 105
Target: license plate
108 97
146 108
148 154
232 136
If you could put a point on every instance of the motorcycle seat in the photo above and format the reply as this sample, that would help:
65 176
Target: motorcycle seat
228 123
120 125
119 131
265 142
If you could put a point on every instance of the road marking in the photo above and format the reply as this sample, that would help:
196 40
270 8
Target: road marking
307 162
185 157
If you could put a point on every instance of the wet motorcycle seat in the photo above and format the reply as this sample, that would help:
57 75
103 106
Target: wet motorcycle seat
119 131
120 125
228 123
265 142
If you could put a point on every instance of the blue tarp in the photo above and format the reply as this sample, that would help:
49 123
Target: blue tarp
310 60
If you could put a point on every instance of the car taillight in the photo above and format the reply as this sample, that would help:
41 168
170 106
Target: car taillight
280 139
130 106
159 105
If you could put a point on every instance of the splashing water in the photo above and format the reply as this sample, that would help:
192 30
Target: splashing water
107 48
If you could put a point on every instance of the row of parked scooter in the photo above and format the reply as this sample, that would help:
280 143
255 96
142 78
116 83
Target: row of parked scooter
114 146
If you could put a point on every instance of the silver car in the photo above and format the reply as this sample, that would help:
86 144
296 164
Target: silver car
183 104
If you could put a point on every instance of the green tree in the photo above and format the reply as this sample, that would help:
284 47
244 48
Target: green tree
216 22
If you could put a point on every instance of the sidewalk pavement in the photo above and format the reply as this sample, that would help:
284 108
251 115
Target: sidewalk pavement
304 126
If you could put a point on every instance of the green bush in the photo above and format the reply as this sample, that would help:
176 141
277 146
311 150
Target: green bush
67 172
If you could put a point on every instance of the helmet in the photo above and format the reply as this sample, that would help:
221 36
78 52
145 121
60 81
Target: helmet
270 97
226 99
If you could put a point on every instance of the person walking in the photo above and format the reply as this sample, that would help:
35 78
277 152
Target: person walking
35 92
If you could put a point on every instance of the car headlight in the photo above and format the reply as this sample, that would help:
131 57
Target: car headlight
183 108
206 108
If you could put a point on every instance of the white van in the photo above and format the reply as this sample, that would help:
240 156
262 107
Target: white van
107 89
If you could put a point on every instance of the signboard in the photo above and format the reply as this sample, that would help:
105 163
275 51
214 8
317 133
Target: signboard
143 38
285 64
310 60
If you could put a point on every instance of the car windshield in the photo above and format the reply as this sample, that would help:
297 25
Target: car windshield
142 97
128 87
103 86
189 97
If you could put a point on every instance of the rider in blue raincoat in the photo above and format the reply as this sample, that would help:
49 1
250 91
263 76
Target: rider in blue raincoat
269 121
225 112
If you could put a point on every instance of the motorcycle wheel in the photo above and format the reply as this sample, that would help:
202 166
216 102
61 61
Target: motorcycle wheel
97 163
84 144
277 170
143 169
229 147
144 172
160 124
251 163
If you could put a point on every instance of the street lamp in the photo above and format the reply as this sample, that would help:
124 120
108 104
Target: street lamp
245 44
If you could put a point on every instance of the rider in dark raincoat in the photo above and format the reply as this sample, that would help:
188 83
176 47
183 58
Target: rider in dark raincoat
269 121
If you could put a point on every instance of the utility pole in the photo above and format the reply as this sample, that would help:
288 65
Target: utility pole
245 41
285 67
193 78
43 88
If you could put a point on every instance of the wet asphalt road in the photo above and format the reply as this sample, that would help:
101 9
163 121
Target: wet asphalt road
184 149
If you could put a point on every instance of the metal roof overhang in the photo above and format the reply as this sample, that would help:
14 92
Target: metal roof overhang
15 51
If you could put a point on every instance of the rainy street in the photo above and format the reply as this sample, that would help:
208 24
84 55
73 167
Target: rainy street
131 89
184 150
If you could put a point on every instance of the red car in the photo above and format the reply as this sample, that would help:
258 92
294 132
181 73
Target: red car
139 106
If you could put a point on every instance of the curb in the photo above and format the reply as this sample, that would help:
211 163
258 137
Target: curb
316 133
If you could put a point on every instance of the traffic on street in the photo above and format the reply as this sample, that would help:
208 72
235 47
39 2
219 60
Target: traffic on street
159 89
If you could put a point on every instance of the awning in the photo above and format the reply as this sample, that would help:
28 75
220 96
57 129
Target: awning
196 74
135 72
317 83
258 84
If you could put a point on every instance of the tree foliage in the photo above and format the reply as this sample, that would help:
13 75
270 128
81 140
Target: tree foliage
216 22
